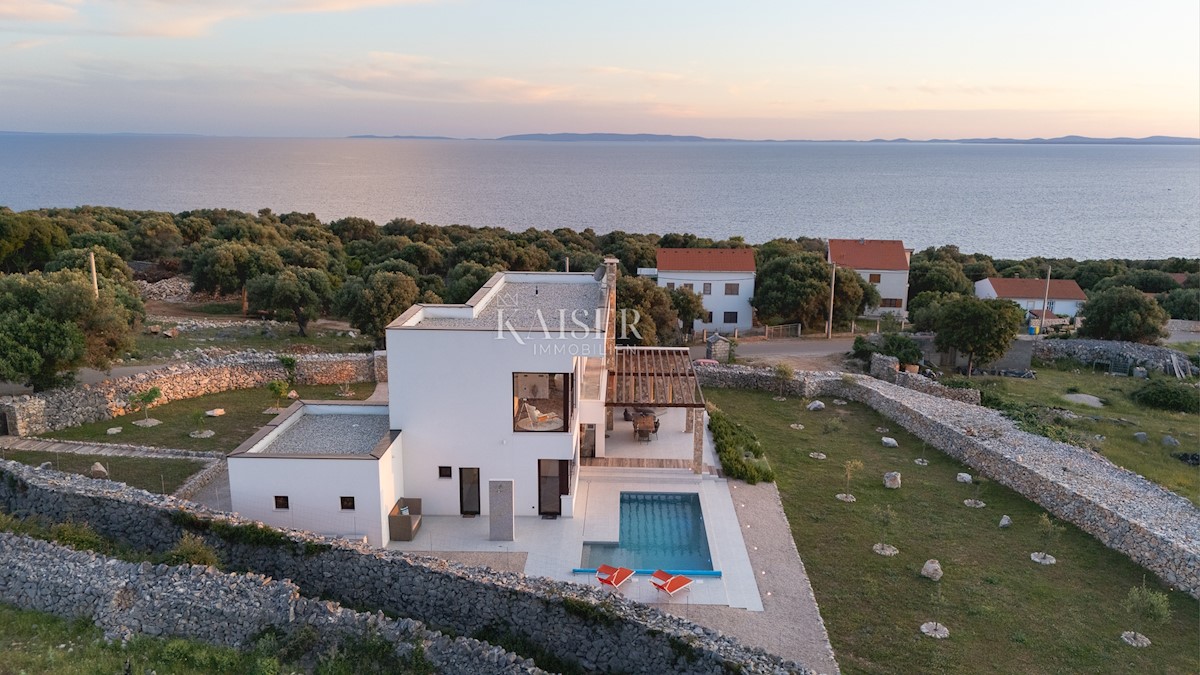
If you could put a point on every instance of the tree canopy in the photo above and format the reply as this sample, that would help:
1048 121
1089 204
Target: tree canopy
795 289
981 329
304 292
372 304
1122 313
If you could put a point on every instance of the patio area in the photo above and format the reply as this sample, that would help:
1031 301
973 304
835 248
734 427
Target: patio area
672 442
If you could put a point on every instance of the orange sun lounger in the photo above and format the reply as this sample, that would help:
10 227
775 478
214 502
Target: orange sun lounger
669 584
613 576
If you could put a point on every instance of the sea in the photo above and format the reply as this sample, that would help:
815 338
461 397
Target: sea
1005 200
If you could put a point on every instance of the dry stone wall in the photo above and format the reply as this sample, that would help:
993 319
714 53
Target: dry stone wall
598 630
190 601
1155 527
1150 357
887 368
32 414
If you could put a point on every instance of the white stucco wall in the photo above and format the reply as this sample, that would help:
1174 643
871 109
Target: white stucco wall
313 488
717 302
1061 307
451 396
891 284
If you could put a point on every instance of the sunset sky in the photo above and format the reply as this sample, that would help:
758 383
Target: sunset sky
765 69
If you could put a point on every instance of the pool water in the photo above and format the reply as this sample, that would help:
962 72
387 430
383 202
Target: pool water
659 530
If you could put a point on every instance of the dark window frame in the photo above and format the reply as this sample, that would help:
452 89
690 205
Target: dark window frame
873 278
282 503
707 288
445 472
729 320
346 500
568 404
733 288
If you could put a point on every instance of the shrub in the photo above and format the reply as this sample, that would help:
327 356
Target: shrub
192 550
80 536
863 348
1168 395
902 347
738 448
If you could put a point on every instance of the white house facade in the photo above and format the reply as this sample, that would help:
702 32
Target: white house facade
1064 297
723 277
883 263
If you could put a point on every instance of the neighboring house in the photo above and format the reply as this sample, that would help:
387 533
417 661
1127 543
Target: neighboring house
724 278
1045 318
883 263
517 386
1064 299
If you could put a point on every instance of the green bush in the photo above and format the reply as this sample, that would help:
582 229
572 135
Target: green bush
192 550
863 348
739 450
81 537
902 347
1168 395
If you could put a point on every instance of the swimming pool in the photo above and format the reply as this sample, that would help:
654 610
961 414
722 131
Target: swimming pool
659 530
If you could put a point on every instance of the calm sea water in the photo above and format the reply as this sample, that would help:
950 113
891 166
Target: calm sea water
1005 200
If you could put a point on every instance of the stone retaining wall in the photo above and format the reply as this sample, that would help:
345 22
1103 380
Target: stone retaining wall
32 414
887 368
1183 326
598 630
1150 357
200 603
1155 527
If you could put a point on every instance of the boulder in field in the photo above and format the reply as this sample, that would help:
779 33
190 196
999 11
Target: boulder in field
98 471
891 480
932 569
816 405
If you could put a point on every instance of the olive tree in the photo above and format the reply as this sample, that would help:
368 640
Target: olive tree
981 329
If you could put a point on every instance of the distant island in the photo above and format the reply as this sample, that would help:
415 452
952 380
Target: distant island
671 138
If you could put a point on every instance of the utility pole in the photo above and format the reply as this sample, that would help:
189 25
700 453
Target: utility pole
568 266
832 283
1045 301
95 281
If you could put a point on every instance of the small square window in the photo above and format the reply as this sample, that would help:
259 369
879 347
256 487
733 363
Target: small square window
731 317
689 286
670 285
443 472
281 502
732 289
347 503
707 288
873 278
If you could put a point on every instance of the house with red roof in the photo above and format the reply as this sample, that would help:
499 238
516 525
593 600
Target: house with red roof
1064 299
724 278
883 263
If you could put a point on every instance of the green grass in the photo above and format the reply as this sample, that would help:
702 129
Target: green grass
1191 348
1006 614
1120 419
33 642
218 308
243 416
153 348
154 475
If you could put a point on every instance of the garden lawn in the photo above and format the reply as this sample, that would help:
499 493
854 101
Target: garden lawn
243 416
162 476
1119 419
154 348
1006 614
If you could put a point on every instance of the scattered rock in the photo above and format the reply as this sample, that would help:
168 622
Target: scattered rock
1189 458
1085 399
886 550
272 411
147 423
932 569
98 471
781 399
1042 558
838 401
154 329
203 433
816 405
891 480
215 412
171 333
351 334
1170 441
935 630
1140 373
889 442
921 461
113 431
963 478
881 430
1135 639
973 503
45 465
796 426
292 395
1141 437
845 497
1005 521
817 455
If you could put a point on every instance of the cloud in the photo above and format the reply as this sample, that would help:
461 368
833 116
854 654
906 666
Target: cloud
37 10
21 45
644 75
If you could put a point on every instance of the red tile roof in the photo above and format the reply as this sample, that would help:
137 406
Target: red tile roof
706 259
1179 277
1060 289
869 254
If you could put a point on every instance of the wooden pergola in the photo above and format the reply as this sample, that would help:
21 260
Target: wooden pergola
658 377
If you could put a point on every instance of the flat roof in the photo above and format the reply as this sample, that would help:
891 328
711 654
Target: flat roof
520 300
323 430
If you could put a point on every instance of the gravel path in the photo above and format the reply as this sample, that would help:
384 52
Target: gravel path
331 435
790 624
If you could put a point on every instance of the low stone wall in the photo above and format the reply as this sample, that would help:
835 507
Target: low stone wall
32 414
598 630
381 366
1155 527
1150 357
200 603
887 368
1183 326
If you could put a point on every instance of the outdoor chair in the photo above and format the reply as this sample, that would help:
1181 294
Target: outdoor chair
613 576
669 583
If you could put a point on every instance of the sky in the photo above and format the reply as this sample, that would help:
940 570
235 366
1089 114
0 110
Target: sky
788 69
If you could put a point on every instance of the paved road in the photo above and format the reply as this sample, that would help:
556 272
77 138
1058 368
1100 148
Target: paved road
805 353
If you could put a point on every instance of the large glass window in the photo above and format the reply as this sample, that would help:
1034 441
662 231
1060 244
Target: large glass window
541 401
732 289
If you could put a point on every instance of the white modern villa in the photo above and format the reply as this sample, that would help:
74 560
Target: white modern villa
1062 297
724 278
883 263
